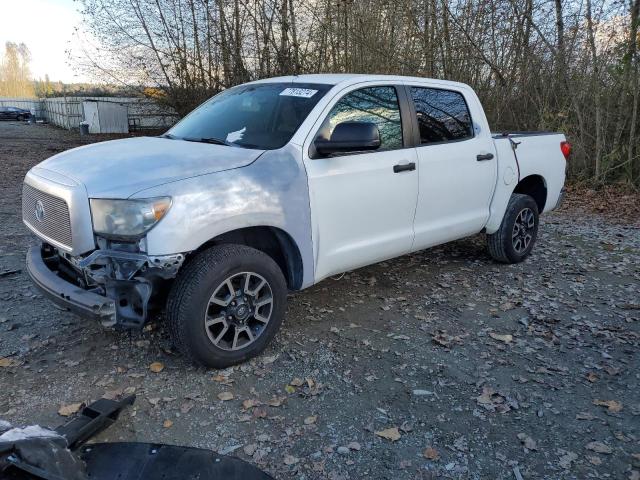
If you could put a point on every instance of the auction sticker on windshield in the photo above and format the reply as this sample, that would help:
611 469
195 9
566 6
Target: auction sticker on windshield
298 92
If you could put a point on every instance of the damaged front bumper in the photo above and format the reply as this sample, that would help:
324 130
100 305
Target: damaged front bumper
114 287
68 295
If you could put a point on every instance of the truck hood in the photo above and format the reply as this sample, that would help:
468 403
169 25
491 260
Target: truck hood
120 168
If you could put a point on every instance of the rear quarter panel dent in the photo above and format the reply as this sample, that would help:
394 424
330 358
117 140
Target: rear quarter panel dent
537 155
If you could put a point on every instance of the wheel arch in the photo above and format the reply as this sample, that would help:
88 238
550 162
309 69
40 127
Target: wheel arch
533 185
273 241
536 187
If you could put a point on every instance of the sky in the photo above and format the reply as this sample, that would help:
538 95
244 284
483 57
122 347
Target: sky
46 27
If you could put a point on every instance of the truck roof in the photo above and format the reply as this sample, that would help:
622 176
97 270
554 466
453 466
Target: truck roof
352 78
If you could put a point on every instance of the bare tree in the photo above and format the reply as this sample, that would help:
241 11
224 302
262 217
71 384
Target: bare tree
567 65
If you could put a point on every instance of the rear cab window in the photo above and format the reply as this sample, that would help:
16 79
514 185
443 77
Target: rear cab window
442 115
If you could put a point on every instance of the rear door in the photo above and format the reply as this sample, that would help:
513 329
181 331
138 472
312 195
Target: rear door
457 163
362 204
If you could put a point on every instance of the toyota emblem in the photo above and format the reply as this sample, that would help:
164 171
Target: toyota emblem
39 211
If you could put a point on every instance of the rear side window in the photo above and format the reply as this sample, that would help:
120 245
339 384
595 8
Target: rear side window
374 104
443 115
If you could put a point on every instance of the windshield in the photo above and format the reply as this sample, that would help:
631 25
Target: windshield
263 116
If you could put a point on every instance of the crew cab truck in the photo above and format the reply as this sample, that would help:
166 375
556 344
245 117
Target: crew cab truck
273 186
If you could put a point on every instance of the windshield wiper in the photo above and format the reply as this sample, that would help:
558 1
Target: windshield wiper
214 141
167 135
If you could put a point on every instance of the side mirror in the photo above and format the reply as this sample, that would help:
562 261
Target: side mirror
350 137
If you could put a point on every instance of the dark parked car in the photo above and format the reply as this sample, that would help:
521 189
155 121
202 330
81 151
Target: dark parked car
14 113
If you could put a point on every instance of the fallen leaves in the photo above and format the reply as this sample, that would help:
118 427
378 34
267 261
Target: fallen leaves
599 447
290 460
431 453
506 338
612 405
277 401
494 401
443 339
6 362
291 386
269 360
567 459
528 442
186 407
112 394
392 434
308 385
167 423
225 396
310 420
250 403
259 413
70 409
224 380
156 367
584 416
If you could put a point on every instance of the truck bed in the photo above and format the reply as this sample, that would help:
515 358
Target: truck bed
522 155
523 134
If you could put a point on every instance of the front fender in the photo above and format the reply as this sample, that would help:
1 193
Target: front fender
272 191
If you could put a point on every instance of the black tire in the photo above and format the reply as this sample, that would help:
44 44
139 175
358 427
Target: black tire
191 296
502 246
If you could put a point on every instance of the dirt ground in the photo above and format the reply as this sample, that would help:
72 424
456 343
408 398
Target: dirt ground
470 369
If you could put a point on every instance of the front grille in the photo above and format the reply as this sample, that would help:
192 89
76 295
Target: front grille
54 222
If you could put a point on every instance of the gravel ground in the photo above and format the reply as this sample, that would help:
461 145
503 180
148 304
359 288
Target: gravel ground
441 364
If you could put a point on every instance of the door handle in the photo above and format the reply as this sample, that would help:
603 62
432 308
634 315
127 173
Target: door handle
484 156
405 167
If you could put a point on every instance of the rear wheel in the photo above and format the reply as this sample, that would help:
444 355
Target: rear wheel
226 305
514 240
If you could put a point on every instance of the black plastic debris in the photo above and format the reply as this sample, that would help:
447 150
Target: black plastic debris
167 462
35 453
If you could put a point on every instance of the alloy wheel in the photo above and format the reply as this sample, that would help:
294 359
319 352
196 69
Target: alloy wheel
238 311
523 230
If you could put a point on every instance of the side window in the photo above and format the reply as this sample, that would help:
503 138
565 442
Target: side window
442 115
374 104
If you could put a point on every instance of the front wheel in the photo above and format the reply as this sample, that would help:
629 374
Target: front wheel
226 305
513 241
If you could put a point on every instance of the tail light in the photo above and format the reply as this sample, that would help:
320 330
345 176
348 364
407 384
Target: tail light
565 147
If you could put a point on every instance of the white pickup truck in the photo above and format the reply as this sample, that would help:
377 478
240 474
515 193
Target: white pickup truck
276 185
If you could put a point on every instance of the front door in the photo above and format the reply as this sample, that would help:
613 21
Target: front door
362 207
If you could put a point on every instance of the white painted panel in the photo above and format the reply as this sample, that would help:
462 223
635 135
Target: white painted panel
455 188
362 209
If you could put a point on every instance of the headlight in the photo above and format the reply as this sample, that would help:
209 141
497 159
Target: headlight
127 218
